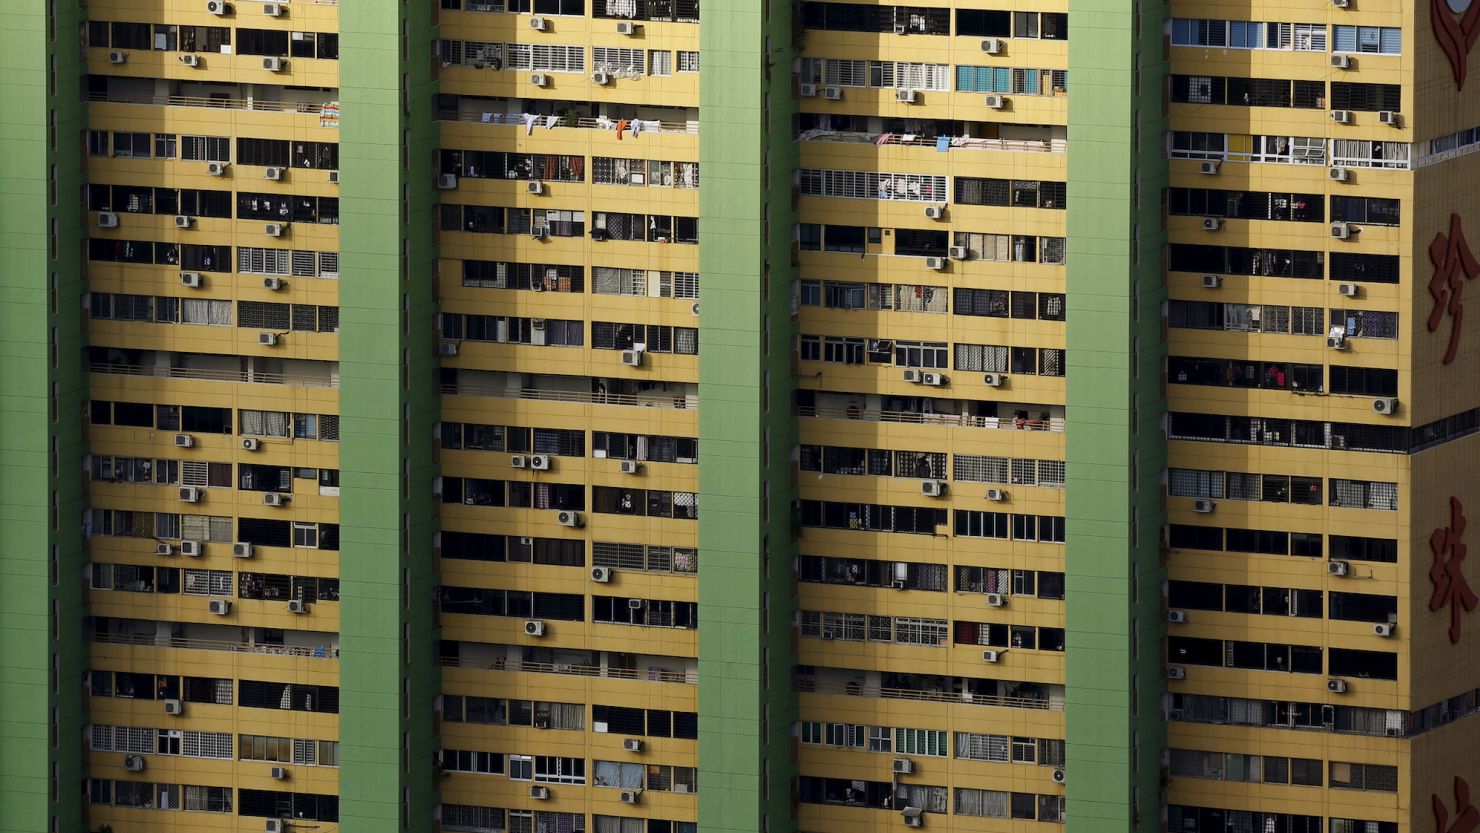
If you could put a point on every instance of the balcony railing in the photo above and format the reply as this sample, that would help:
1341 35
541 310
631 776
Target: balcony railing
540 123
956 142
808 686
647 400
321 652
214 375
1053 424
652 675
258 105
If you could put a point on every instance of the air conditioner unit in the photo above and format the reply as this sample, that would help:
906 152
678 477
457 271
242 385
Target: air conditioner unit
174 707
1341 116
1350 290
534 627
630 467
905 96
1209 167
447 348
1390 118
1336 340
933 488
1387 405
1176 672
901 29
273 284
994 380
278 773
183 221
107 219
539 24
959 252
1383 629
184 441
1341 4
116 57
274 826
273 174
274 499
1212 281
191 279
1212 223
1338 568
275 229
267 339
833 93
567 517
994 102
190 60
632 744
251 444
601 575
632 358
446 182
1177 617
1339 174
539 79
601 78
996 600
272 63
903 766
539 793
334 177
1204 506
191 548
190 494
540 462
898 584
935 212
216 168
694 310
220 607
519 461
1343 230
994 46
539 233
807 90
534 186
133 763
297 606
933 379
913 817
241 549
912 375
629 796
634 604
1058 776
991 656
936 263
1343 62
996 495
164 549
217 7
1336 686
625 27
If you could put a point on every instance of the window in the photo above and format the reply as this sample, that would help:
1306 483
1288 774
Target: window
688 61
1378 40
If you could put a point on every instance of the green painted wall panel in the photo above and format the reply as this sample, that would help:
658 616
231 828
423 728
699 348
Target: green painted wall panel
43 646
389 405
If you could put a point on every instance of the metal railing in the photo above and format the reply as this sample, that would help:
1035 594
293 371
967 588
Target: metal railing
807 686
540 123
211 103
214 375
675 401
957 142
322 652
656 675
1053 424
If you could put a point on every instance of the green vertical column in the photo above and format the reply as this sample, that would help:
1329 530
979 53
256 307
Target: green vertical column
389 676
1115 451
746 706
43 647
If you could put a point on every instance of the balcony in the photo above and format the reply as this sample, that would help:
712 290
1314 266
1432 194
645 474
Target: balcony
576 389
487 657
881 139
254 104
932 689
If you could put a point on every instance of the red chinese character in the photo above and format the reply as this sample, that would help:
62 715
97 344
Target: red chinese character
1456 36
1453 265
1469 817
1450 587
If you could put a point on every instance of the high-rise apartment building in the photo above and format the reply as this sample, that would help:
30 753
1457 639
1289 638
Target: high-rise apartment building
1092 455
